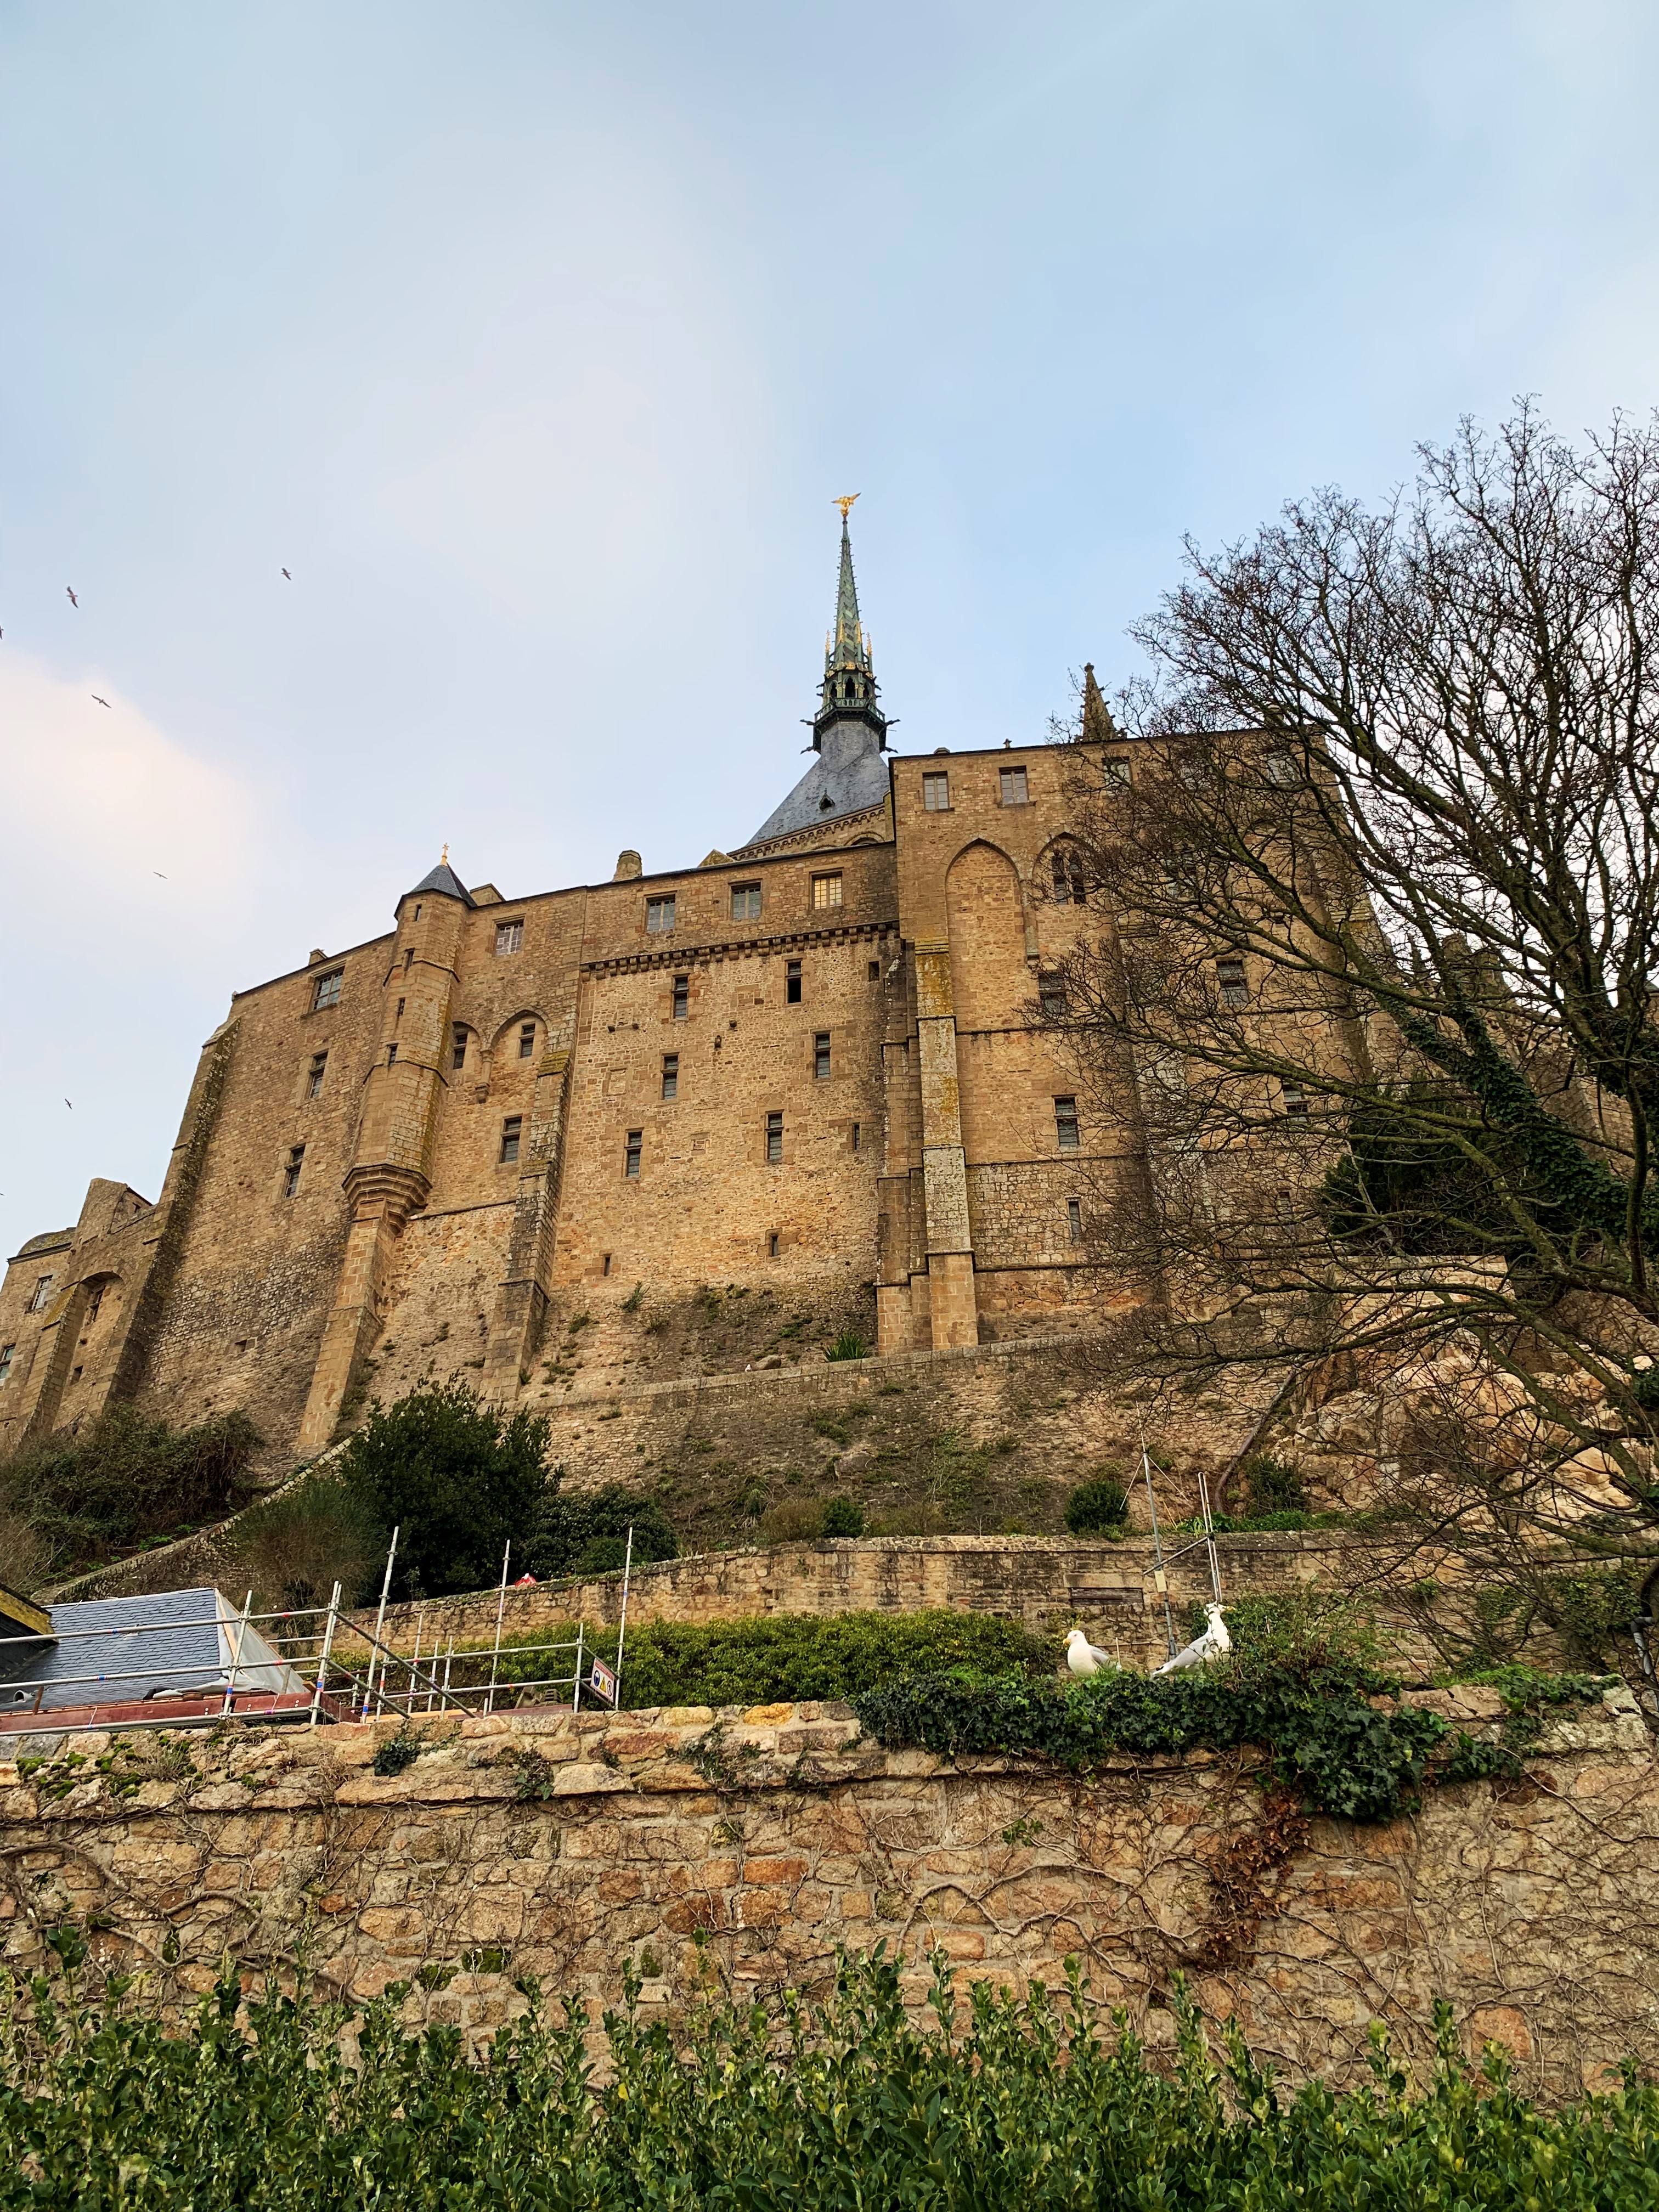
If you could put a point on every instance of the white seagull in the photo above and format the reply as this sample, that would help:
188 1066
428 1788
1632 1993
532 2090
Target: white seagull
1085 1658
1214 1641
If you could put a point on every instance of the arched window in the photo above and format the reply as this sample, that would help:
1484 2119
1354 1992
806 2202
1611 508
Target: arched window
1070 883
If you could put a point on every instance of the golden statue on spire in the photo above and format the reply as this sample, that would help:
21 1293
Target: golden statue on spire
845 502
444 862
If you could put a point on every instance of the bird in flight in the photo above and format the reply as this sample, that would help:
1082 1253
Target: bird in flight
69 1102
74 602
156 871
102 703
290 578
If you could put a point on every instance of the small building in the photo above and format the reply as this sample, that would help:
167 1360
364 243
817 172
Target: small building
168 1658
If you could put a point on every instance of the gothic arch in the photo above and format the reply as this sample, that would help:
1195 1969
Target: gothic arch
507 1035
985 915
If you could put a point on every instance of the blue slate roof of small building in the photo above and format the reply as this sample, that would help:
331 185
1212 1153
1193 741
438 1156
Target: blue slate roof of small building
444 880
117 1650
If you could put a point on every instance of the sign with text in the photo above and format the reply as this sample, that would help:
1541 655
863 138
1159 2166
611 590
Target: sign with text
604 1681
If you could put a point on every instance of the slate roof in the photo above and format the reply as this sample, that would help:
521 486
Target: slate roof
444 880
176 1642
850 772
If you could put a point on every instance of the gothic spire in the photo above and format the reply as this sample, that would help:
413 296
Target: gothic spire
848 690
1099 727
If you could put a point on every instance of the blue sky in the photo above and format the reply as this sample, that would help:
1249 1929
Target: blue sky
536 341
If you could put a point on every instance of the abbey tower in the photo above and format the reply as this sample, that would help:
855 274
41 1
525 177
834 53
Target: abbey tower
807 1061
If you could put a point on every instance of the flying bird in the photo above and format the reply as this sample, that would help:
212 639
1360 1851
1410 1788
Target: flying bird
156 871
1085 1658
69 588
1211 1644
102 703
290 578
69 1102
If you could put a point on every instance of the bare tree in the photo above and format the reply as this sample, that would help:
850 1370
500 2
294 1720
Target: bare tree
1371 957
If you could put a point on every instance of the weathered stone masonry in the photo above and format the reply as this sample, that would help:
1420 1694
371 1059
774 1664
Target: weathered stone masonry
746 1846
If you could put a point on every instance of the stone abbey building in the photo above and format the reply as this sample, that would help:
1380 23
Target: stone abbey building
807 1062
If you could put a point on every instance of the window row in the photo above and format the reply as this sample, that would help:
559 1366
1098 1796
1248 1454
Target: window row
662 911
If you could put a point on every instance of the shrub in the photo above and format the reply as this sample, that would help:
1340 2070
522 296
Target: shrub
788 1655
124 1480
458 1478
585 1533
1591 1609
293 1547
1100 1507
1272 1485
849 1345
843 1517
792 1520
1003 2102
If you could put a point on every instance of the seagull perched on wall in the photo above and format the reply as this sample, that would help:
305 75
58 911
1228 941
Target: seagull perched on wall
1211 1644
1085 1658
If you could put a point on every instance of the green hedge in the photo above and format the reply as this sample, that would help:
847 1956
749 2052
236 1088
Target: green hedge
1018 2108
766 1660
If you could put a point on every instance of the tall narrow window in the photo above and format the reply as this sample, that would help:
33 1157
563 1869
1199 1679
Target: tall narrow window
682 997
93 1304
1066 1135
296 1160
660 914
326 990
605 1268
1292 1098
771 1254
527 1040
409 959
792 983
855 1136
1051 998
821 1056
42 1292
826 890
509 936
875 971
631 1156
391 1055
1075 1220
314 1080
774 1140
512 1130
1014 793
1230 973
746 902
6 1351
671 1075
399 1015
458 1046
1071 888
936 793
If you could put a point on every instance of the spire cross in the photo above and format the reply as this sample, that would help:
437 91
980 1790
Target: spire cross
444 859
845 502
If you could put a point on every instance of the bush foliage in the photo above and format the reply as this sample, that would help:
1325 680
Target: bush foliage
577 1533
1100 1507
457 1478
124 1480
1003 2104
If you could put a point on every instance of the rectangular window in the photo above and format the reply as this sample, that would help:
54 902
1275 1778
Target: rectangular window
1230 973
314 1080
391 1055
936 793
771 1254
1075 1220
774 1140
296 1160
409 959
746 902
605 1269
512 1130
792 983
1119 772
1014 793
93 1304
1292 1098
6 1351
42 1292
631 1157
660 914
671 1075
875 971
458 1047
326 992
1065 1124
1051 998
821 1056
826 890
682 997
527 1040
401 1004
855 1136
509 936
1193 771
1283 768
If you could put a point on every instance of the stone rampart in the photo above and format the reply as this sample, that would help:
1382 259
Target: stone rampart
739 1849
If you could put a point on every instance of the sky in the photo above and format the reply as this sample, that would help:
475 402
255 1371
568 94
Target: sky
536 341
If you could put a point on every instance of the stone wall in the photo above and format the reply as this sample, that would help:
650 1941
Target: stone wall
739 1849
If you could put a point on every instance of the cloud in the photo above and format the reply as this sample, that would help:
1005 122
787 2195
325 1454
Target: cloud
100 803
